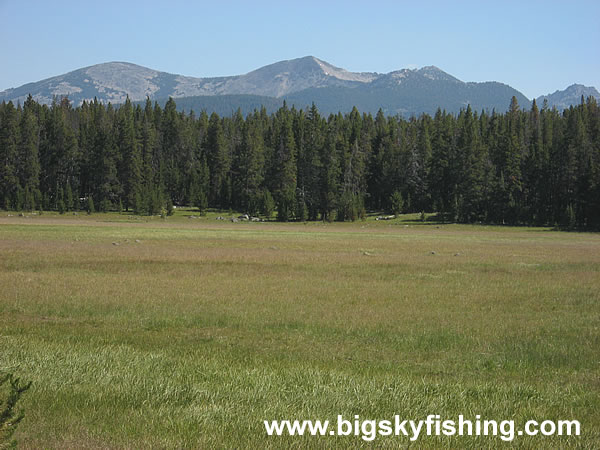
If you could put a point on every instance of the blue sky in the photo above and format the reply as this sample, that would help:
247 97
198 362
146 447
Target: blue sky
535 46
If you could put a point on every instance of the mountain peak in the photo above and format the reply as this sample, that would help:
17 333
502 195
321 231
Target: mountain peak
312 64
343 74
435 73
570 96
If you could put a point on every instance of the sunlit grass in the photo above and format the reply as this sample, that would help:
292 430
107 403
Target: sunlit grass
189 332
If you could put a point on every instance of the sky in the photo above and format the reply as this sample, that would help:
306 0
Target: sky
537 47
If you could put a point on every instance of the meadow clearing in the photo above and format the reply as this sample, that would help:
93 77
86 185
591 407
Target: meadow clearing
150 333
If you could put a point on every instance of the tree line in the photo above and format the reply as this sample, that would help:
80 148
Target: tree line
536 166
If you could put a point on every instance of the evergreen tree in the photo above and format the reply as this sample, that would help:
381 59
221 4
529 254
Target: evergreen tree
285 160
69 200
131 155
380 147
90 205
397 203
249 166
28 166
309 162
267 204
9 138
330 174
219 161
536 167
513 152
60 201
472 159
442 178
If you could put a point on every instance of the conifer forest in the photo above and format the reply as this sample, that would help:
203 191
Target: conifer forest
534 166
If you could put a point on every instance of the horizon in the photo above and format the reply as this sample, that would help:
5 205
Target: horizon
537 48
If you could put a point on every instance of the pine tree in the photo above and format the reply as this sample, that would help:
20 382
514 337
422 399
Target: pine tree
397 203
309 164
28 166
201 201
375 181
354 151
60 201
472 173
131 156
249 166
442 178
512 160
9 138
219 161
267 204
539 166
90 205
285 160
330 174
69 200
301 210
60 151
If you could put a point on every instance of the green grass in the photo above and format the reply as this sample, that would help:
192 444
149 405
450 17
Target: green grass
143 332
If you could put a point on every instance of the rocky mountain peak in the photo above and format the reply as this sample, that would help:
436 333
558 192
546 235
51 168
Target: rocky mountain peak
570 96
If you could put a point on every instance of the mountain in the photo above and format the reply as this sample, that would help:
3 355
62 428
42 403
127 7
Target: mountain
410 92
299 81
110 82
570 96
114 81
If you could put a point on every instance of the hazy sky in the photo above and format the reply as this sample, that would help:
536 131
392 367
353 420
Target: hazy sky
536 47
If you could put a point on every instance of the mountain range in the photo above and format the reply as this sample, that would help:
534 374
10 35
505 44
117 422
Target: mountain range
299 81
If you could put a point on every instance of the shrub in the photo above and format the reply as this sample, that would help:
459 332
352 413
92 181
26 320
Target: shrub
9 417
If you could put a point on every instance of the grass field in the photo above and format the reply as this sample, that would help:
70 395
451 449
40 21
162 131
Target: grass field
144 333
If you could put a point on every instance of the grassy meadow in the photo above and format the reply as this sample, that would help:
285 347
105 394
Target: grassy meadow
189 332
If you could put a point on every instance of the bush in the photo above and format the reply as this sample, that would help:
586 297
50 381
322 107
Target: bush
9 417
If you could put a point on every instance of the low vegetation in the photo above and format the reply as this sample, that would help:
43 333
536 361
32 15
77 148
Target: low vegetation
140 332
